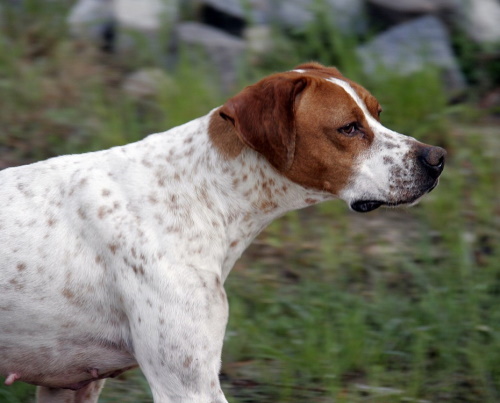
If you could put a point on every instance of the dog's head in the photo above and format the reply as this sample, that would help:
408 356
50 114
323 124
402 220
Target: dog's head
323 131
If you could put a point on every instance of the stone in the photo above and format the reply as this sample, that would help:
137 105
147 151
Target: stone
89 19
259 39
347 15
483 21
411 47
146 83
144 26
252 11
385 13
230 7
225 15
204 43
415 6
145 15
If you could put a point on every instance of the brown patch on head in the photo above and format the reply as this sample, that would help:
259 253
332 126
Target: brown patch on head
294 120
370 101
318 70
262 117
325 157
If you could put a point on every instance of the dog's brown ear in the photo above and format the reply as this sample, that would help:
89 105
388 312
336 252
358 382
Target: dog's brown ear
264 117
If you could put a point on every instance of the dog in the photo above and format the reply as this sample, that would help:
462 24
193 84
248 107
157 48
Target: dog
117 258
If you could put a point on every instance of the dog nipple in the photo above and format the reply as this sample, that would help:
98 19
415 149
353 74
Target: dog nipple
12 378
94 372
327 186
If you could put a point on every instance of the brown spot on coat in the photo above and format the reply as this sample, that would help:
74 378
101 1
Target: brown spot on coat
152 199
81 213
103 211
187 362
113 247
21 267
68 293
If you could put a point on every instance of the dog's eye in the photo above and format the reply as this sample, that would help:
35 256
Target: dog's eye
349 130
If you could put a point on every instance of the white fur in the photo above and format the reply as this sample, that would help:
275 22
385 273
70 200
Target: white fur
118 257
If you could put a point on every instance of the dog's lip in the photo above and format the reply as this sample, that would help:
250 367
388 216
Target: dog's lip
433 186
365 206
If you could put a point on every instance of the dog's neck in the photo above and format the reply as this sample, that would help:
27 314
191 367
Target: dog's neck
249 192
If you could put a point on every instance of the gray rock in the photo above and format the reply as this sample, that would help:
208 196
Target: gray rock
288 13
206 44
415 6
144 24
89 18
482 20
253 11
347 15
147 82
230 7
145 15
411 47
386 13
259 39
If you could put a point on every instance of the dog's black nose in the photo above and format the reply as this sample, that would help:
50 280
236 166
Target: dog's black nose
432 158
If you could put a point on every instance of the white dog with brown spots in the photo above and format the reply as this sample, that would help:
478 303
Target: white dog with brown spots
117 258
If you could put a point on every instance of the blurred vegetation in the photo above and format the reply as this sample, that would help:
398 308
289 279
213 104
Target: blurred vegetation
327 305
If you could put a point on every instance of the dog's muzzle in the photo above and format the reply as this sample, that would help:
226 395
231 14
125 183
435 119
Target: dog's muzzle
431 161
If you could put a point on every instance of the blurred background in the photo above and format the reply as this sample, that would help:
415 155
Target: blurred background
326 305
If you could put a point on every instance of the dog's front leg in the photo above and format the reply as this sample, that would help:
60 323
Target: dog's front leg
177 329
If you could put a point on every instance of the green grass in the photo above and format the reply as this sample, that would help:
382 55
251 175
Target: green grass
327 305
422 319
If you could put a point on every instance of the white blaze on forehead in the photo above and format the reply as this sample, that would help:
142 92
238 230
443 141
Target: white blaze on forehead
372 176
375 125
380 132
347 88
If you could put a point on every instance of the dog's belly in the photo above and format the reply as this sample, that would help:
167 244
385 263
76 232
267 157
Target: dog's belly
61 361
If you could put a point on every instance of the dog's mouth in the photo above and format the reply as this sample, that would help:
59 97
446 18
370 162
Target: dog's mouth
365 206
